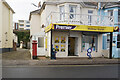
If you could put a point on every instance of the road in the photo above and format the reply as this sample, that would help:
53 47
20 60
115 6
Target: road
68 71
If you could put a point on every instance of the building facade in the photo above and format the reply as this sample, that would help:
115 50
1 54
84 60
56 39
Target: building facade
70 27
6 25
112 9
23 25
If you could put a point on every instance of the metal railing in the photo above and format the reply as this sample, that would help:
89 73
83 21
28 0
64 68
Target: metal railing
79 19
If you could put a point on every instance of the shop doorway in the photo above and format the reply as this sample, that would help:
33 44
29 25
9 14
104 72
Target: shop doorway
72 46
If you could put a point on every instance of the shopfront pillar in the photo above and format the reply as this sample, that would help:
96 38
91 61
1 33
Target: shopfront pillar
51 43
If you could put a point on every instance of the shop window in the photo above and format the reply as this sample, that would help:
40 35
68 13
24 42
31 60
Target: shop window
90 12
60 43
40 41
89 41
72 11
118 41
62 13
108 41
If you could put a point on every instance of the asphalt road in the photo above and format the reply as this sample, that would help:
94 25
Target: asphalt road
76 71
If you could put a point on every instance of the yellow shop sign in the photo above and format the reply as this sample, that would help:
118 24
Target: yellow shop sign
79 28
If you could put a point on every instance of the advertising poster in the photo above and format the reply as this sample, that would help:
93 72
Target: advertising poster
63 40
56 39
62 48
57 48
46 43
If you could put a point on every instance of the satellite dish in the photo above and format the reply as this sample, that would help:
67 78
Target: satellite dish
39 4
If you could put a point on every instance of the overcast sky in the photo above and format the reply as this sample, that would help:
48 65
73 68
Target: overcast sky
22 8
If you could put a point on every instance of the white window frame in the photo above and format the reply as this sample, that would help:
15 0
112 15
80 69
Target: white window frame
74 11
39 46
90 17
62 12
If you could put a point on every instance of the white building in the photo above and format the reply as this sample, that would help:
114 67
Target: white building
6 27
71 27
24 25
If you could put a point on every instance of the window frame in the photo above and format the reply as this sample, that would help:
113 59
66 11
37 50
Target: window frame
109 12
39 45
90 13
74 11
96 41
62 12
27 26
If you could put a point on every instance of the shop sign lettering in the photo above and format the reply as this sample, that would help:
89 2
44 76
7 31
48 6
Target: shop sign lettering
64 27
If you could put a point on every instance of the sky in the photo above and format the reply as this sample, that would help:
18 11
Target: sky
22 8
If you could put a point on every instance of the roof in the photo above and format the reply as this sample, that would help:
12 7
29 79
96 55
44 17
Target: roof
34 12
38 11
112 4
7 5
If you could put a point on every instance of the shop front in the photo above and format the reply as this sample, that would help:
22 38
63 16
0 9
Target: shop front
74 40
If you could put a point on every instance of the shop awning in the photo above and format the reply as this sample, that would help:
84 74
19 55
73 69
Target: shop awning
72 27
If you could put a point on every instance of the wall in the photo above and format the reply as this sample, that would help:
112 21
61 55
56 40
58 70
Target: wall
0 24
7 32
45 13
115 50
34 24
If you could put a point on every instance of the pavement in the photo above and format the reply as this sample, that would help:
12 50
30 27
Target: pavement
21 58
35 63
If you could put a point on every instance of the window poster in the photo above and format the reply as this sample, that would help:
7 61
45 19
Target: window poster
56 39
62 48
63 40
56 47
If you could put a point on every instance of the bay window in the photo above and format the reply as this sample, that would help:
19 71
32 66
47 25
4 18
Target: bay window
62 12
72 11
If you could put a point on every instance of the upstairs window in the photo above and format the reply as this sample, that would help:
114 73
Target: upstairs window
62 12
72 11
90 12
110 12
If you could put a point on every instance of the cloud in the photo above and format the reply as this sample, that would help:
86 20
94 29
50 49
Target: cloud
22 8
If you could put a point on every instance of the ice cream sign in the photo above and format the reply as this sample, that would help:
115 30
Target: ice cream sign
64 27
